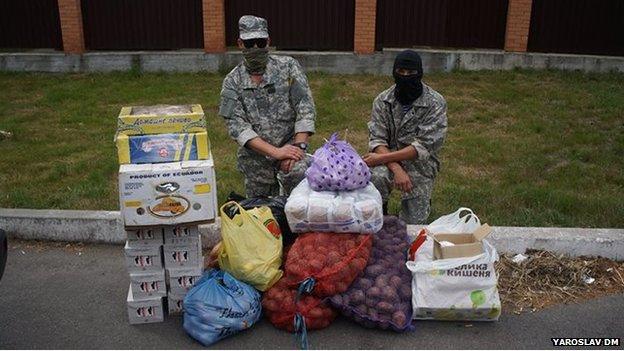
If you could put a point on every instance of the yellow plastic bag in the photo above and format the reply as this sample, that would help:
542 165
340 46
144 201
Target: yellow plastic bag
251 246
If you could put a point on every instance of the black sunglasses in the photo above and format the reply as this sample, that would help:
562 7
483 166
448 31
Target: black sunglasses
259 42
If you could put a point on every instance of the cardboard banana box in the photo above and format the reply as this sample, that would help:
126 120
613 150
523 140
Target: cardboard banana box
159 148
145 237
182 235
182 280
167 193
146 310
147 285
175 304
160 119
141 258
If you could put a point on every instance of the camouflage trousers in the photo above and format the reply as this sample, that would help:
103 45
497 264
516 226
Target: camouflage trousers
415 205
264 178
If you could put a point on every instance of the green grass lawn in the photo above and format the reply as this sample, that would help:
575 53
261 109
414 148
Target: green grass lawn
523 148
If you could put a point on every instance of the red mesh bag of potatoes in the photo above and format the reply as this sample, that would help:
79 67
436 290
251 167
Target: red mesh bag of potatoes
279 306
325 264
382 296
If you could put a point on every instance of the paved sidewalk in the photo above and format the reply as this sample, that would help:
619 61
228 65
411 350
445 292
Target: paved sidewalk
55 298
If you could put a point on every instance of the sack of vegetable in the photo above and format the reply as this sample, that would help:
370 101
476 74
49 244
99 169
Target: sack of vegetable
381 297
295 313
279 305
337 166
325 264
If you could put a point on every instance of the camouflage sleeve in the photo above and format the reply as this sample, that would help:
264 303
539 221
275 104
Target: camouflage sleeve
231 109
431 132
301 99
377 127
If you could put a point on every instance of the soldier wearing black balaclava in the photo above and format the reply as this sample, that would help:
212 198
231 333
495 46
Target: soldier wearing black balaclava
406 132
267 106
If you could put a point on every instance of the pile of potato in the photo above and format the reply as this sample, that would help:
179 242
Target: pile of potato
363 275
334 261
280 305
381 296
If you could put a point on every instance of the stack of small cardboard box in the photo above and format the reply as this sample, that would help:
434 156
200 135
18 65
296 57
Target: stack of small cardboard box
166 189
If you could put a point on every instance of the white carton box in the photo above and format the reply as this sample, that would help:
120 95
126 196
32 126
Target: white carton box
182 280
175 304
144 310
167 193
182 255
182 234
143 258
145 236
148 284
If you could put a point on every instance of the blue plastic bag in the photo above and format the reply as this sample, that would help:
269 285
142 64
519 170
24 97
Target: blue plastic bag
219 306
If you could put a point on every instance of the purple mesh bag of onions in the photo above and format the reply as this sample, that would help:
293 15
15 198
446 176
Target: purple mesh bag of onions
336 166
381 297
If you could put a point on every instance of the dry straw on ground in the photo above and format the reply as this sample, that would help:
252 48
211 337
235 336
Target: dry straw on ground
547 279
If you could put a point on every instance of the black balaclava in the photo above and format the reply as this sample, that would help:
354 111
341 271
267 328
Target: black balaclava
408 88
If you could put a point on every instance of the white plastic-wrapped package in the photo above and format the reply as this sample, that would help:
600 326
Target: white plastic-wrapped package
356 211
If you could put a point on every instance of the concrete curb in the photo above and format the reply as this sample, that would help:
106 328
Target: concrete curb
63 225
329 62
78 226
107 227
575 242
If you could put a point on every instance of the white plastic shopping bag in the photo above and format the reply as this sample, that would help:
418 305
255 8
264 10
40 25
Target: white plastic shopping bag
461 221
458 288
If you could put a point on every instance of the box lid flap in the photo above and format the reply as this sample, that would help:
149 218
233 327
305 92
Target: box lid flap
482 232
180 246
167 166
187 271
133 168
197 163
147 276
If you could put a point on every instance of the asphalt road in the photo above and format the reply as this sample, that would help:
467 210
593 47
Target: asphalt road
54 297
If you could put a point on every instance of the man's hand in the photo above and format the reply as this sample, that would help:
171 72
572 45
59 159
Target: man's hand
287 165
402 181
288 152
373 159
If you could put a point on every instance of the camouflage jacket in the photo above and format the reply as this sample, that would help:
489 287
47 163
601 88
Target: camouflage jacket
275 110
423 126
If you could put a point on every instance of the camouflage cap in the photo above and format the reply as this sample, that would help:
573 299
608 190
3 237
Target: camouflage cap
250 27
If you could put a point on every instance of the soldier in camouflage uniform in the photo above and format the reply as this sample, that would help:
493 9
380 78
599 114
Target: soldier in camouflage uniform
268 109
406 132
